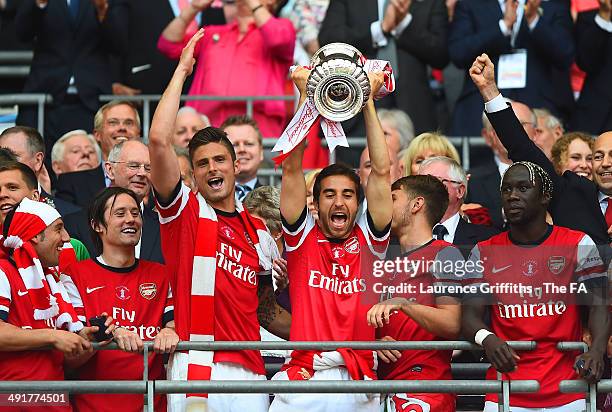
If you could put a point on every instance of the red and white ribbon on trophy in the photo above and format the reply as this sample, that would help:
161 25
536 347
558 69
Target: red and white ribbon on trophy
306 120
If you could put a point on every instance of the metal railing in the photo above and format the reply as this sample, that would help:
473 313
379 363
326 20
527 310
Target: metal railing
40 100
16 57
151 387
146 100
37 99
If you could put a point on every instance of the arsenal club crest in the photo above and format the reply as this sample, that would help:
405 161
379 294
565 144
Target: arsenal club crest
530 268
148 290
556 264
122 292
352 245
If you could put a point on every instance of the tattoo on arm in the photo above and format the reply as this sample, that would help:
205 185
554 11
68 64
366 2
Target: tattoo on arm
268 310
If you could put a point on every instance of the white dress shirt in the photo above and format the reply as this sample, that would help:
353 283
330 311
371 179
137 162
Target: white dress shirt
378 38
451 226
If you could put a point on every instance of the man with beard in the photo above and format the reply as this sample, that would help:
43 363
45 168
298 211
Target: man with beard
215 251
135 291
327 260
419 202
530 255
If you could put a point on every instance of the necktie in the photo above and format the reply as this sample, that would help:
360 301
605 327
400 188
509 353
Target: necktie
389 52
74 9
242 191
439 231
609 212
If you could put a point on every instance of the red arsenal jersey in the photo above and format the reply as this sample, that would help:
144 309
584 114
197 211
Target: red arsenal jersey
534 310
434 264
326 279
236 279
16 309
140 300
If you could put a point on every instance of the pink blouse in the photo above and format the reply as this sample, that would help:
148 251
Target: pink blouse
257 65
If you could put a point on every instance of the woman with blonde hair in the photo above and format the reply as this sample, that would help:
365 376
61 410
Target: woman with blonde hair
310 177
573 152
424 146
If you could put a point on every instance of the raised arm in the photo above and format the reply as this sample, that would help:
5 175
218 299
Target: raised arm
165 171
507 126
176 29
293 186
378 190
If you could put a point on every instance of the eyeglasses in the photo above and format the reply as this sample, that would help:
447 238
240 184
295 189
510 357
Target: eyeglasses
135 167
445 181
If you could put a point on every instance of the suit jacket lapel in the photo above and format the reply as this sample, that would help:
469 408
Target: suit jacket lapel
150 234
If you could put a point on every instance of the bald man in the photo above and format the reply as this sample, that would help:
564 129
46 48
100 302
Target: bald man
602 174
575 200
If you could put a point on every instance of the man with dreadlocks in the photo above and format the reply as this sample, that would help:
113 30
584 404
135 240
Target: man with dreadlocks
534 277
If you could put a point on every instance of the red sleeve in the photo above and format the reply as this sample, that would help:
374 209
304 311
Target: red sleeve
279 36
5 296
170 49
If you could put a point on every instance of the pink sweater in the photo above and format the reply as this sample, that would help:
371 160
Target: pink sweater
256 65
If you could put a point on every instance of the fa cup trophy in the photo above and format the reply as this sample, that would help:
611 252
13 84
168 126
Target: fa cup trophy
338 82
337 89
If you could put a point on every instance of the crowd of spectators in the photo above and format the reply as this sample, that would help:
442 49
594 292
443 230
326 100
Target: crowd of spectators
547 105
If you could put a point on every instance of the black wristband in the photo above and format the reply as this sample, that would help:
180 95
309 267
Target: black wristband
254 9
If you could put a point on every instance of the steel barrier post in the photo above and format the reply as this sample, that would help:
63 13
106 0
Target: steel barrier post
149 404
145 371
249 107
465 152
592 398
41 115
146 119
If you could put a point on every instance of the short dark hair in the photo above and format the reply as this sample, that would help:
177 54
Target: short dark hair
336 169
431 189
28 175
35 142
210 135
97 209
242 120
7 155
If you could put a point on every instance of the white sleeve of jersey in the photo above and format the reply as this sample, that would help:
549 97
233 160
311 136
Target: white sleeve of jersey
74 295
174 209
169 301
294 239
5 295
377 245
589 264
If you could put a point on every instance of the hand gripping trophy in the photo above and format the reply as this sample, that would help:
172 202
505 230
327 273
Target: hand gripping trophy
338 88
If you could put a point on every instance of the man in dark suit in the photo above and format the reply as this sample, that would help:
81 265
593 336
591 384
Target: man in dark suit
575 201
29 148
72 41
128 166
452 227
244 134
593 112
417 31
540 29
485 179
114 122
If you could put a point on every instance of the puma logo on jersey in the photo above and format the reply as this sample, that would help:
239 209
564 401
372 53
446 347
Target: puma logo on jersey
497 270
20 293
89 290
